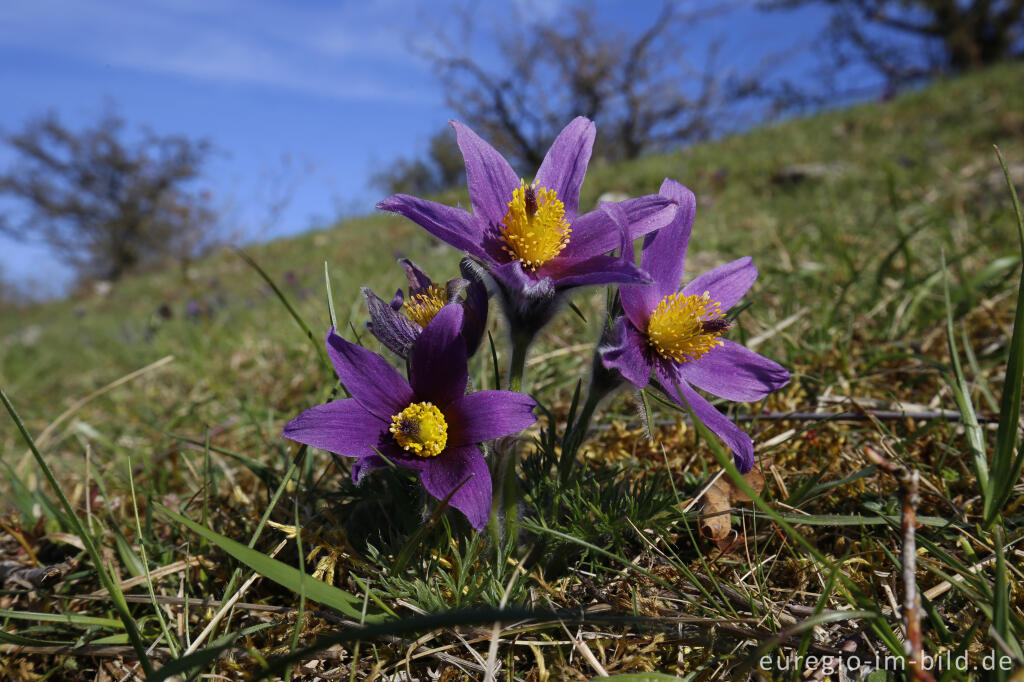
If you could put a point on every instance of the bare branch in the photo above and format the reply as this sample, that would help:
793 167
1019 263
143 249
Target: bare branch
899 37
542 72
107 207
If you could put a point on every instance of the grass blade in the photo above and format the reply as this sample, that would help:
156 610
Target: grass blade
279 572
494 362
1001 589
878 624
69 618
106 580
1006 462
962 395
641 677
21 640
330 296
313 339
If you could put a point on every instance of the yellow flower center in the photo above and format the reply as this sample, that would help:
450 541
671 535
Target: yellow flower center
685 328
535 228
420 429
421 308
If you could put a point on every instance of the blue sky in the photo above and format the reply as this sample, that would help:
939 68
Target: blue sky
304 100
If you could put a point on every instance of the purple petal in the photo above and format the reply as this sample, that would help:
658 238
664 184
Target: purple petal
369 378
627 354
394 454
727 283
515 278
620 220
648 213
576 272
486 415
397 300
594 234
454 226
342 426
565 164
664 252
663 256
393 329
448 470
418 280
490 179
737 439
363 466
735 372
438 363
637 303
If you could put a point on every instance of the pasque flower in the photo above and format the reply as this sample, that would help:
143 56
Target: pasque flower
530 235
428 423
398 323
679 334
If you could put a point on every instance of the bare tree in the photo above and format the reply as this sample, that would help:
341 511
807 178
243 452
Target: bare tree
909 39
637 86
107 206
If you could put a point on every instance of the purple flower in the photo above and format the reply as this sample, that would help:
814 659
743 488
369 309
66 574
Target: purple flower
428 423
398 323
678 334
530 236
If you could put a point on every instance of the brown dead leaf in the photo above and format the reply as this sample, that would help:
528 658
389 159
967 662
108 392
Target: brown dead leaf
715 520
754 478
718 499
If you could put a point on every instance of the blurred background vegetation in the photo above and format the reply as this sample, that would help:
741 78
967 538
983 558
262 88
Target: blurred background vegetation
108 200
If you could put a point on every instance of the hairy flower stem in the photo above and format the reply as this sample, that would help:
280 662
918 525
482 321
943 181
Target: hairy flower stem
510 490
504 521
506 454
521 342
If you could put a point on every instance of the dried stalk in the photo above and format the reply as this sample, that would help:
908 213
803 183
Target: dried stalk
909 480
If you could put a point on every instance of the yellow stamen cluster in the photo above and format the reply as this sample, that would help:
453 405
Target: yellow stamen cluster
677 328
420 429
421 308
535 228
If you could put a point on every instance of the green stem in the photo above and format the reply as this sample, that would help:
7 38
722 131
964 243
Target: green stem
504 519
510 490
520 344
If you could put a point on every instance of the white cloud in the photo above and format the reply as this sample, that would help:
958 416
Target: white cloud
352 51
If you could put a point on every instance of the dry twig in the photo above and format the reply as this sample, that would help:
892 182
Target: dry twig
909 480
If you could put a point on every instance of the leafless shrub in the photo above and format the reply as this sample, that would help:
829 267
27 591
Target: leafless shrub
538 72
105 204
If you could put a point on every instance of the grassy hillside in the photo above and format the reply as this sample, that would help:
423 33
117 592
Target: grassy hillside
848 215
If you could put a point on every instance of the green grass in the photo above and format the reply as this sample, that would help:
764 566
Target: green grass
851 297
